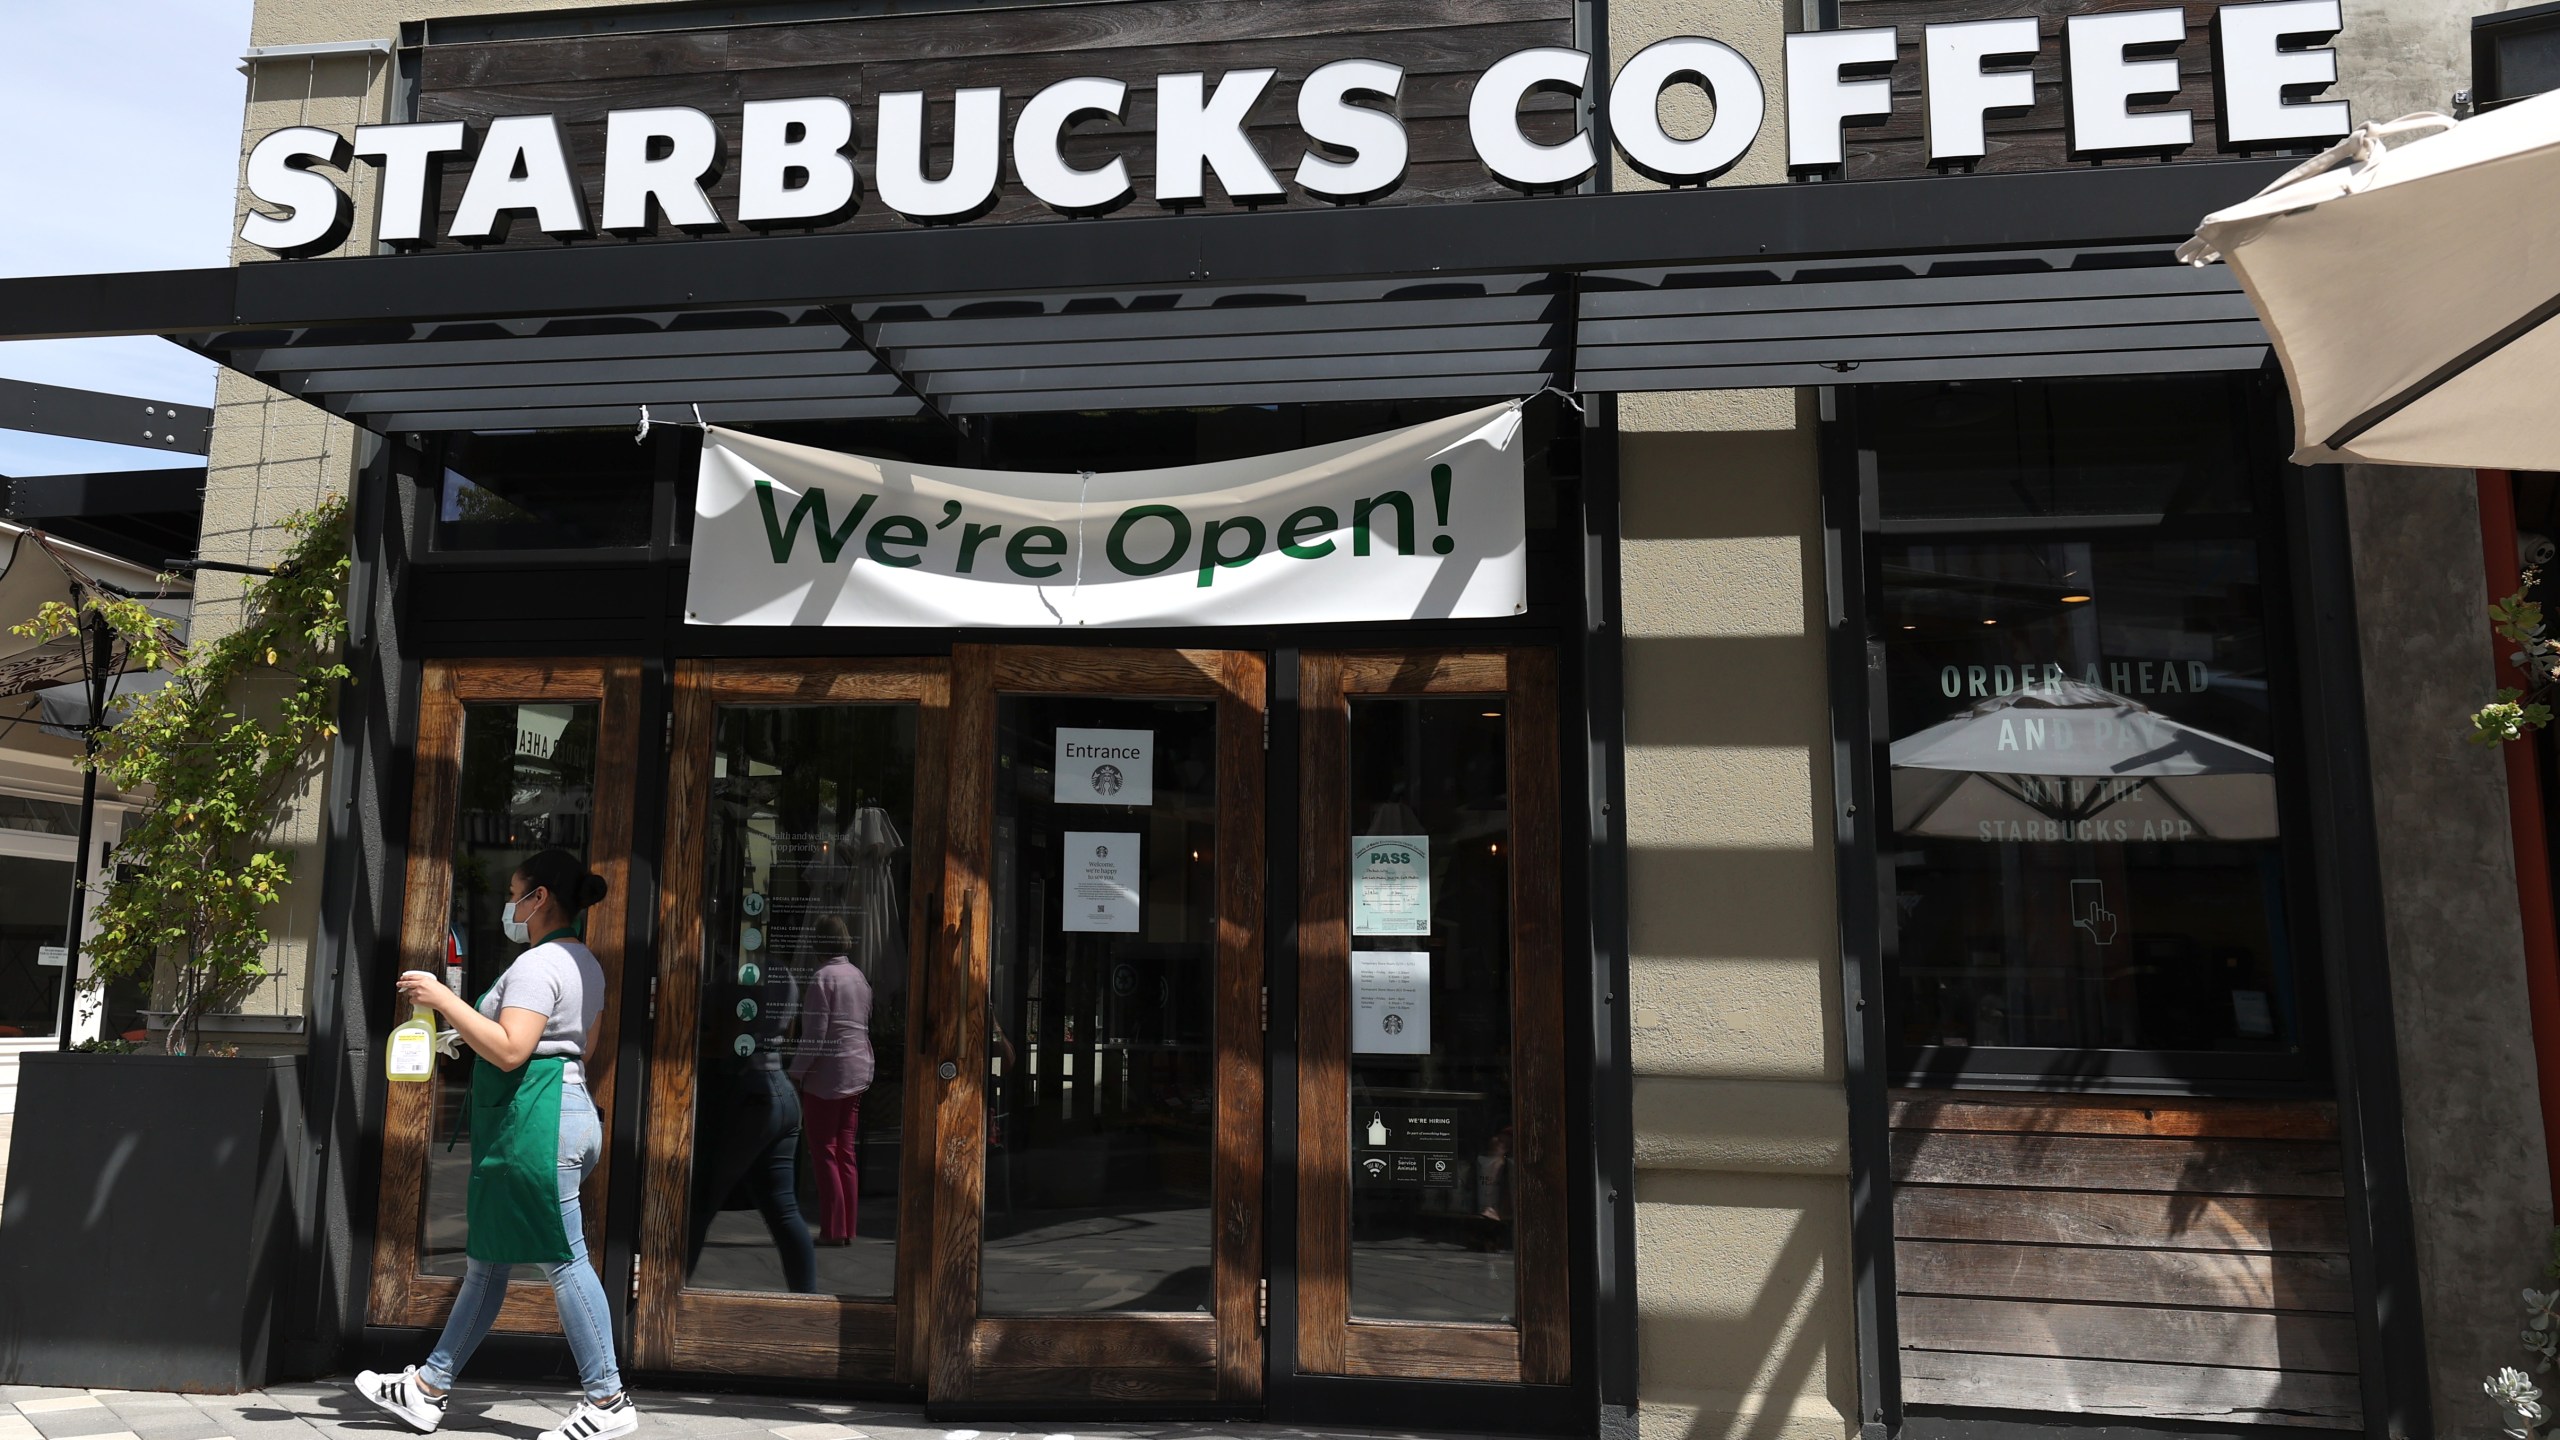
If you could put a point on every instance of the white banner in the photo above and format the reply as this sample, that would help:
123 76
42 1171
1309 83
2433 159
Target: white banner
1419 523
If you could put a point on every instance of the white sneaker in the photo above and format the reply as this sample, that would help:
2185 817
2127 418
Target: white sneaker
403 1396
591 1421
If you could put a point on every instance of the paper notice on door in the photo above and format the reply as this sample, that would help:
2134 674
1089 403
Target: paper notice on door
1391 1002
53 954
1105 767
1390 884
1100 889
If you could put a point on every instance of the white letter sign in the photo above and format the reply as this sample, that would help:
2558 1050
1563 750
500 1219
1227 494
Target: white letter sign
1635 108
1961 94
533 144
975 126
1192 135
1104 767
2253 73
318 213
791 162
1821 98
2104 81
1375 138
1493 119
632 179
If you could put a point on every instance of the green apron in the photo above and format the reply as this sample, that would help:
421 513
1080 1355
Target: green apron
512 1204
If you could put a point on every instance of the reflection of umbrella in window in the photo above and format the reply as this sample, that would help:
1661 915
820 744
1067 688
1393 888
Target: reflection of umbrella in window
2069 761
871 845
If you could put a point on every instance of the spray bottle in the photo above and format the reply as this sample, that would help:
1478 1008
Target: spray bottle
411 1053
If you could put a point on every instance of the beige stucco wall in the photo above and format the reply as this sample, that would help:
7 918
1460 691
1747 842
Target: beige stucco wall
271 455
1742 1228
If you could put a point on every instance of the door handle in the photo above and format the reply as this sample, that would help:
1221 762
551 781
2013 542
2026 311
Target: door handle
947 1070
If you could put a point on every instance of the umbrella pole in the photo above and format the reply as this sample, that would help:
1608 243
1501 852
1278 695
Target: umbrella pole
2525 824
99 644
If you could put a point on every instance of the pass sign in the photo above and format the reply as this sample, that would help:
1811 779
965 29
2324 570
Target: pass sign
1422 523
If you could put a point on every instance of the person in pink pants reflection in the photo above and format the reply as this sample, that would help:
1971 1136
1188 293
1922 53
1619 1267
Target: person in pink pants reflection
832 1070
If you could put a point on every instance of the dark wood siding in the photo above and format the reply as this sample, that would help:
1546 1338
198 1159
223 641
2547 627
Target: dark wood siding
1442 45
2169 1258
2035 140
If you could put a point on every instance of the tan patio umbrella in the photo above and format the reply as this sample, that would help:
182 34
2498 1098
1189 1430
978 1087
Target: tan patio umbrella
2409 277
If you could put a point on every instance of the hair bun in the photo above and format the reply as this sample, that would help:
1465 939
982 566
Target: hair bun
591 889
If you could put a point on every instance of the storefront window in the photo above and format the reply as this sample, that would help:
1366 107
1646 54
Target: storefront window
805 982
546 490
2085 848
35 901
527 785
1432 1140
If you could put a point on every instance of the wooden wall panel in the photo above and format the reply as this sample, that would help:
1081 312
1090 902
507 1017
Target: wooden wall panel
2138 1256
1443 45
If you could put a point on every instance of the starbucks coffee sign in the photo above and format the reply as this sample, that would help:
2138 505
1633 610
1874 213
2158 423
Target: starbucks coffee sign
811 160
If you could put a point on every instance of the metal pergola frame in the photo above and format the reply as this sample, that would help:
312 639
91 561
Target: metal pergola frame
1555 234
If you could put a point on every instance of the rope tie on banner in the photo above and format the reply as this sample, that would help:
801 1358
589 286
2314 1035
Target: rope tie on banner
1084 486
1557 391
697 422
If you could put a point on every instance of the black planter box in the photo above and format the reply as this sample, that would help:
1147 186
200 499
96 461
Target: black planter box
147 1232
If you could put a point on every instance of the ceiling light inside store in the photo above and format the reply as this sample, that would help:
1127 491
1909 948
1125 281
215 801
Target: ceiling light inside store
2075 599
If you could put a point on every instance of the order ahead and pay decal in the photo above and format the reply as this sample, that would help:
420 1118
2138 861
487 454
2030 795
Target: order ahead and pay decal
1419 523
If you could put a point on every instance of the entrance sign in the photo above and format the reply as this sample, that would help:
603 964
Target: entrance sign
1100 893
1390 884
1105 767
1391 1002
1422 523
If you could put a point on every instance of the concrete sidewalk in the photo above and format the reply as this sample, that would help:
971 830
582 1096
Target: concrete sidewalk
519 1412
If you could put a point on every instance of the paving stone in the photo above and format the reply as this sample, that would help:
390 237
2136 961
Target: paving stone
90 1423
60 1402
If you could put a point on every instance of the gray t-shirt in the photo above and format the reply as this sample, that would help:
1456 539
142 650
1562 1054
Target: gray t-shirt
561 981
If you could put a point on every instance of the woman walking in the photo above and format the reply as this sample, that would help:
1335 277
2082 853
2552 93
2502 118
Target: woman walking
534 1137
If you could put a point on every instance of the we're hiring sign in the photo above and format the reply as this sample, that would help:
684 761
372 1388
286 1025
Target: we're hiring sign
805 162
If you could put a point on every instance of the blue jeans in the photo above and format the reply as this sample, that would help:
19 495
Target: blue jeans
574 1286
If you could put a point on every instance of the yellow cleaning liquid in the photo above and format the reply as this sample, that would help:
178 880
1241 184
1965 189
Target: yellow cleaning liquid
411 1054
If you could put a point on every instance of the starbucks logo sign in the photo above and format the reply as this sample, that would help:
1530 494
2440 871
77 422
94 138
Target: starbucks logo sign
1106 779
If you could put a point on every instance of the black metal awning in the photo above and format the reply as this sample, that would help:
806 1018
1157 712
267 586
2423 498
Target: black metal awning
2049 273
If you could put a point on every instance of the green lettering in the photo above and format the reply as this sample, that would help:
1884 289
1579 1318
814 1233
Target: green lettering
1049 541
972 535
783 538
1116 548
895 530
1395 500
1212 558
1314 520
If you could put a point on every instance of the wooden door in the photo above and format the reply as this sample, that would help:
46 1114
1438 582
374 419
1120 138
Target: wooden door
1432 1235
513 756
783 1220
1097 1036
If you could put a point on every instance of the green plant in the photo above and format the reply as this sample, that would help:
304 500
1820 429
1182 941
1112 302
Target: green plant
106 1047
2519 1400
2518 621
197 868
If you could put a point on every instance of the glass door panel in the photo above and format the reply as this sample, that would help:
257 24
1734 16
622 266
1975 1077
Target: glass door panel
803 1000
774 1237
513 757
1101 1088
1097 1049
1431 1212
1432 1232
527 785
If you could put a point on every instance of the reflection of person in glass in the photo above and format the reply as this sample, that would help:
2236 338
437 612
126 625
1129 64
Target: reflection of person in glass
750 1127
832 1070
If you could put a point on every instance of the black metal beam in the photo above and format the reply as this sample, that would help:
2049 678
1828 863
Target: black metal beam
95 415
2112 205
177 490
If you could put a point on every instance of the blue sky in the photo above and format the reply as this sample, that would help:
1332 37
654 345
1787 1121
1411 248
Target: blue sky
126 115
